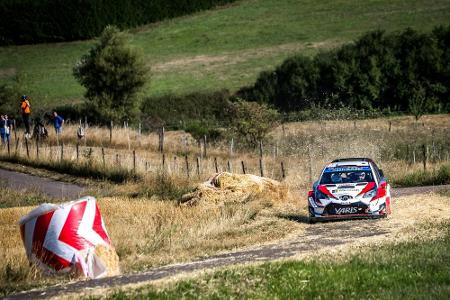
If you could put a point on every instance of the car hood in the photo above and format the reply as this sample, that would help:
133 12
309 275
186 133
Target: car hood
346 191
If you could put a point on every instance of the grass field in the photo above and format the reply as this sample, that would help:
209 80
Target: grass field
406 270
221 48
166 232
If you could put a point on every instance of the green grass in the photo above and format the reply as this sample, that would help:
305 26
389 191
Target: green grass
421 178
13 198
243 39
407 270
85 170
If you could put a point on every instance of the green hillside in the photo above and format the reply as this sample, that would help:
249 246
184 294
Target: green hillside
222 48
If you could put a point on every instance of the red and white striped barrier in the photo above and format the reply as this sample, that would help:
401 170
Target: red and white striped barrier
63 238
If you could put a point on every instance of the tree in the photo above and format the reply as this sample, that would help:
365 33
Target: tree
10 95
112 73
417 103
251 121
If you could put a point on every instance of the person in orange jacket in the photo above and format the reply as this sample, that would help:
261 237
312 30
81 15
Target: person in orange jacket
25 109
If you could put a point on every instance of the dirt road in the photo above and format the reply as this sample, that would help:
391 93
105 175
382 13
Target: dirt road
313 239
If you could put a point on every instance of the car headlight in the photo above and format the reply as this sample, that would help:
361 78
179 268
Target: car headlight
370 194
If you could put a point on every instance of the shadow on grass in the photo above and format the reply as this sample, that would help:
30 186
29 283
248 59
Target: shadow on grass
299 218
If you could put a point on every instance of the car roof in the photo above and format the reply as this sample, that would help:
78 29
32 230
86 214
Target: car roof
352 159
358 162
349 163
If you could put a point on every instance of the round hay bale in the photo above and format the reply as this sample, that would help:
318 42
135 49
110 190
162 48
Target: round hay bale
237 188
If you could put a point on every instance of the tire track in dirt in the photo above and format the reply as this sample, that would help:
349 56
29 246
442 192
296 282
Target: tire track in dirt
312 239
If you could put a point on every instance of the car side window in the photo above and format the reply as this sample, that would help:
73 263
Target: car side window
376 172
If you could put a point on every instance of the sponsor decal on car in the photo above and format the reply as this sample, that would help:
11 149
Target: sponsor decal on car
346 169
346 210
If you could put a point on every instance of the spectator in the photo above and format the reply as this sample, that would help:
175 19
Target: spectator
58 122
9 125
25 109
3 129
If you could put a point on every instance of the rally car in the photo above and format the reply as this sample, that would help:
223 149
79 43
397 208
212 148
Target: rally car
350 188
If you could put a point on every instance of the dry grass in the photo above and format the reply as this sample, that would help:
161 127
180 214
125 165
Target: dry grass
304 147
148 233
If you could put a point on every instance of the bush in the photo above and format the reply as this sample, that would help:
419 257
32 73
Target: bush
251 122
181 112
406 71
199 130
422 178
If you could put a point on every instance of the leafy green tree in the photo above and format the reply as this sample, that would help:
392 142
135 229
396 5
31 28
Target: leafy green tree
418 102
112 73
251 121
10 95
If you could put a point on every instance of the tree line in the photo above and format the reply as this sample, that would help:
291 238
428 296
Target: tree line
38 21
407 71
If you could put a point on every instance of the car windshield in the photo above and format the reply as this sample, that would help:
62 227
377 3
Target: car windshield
346 175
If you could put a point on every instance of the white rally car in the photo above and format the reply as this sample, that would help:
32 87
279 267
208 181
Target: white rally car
350 188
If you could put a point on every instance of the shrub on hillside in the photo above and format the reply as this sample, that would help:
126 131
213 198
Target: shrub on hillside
112 73
407 71
178 112
251 122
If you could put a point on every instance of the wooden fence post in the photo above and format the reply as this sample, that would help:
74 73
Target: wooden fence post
161 140
78 151
261 167
17 145
26 145
229 166
15 129
62 151
103 157
424 151
231 146
283 172
243 167
163 162
187 165
198 166
390 126
310 164
110 132
9 150
37 148
215 165
134 161
204 146
117 160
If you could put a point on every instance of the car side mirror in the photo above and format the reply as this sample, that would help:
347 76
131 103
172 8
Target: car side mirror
381 173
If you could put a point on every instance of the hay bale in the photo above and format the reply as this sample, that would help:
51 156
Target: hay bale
237 188
109 258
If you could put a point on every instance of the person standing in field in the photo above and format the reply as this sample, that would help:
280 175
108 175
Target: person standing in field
3 127
25 109
58 122
8 126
